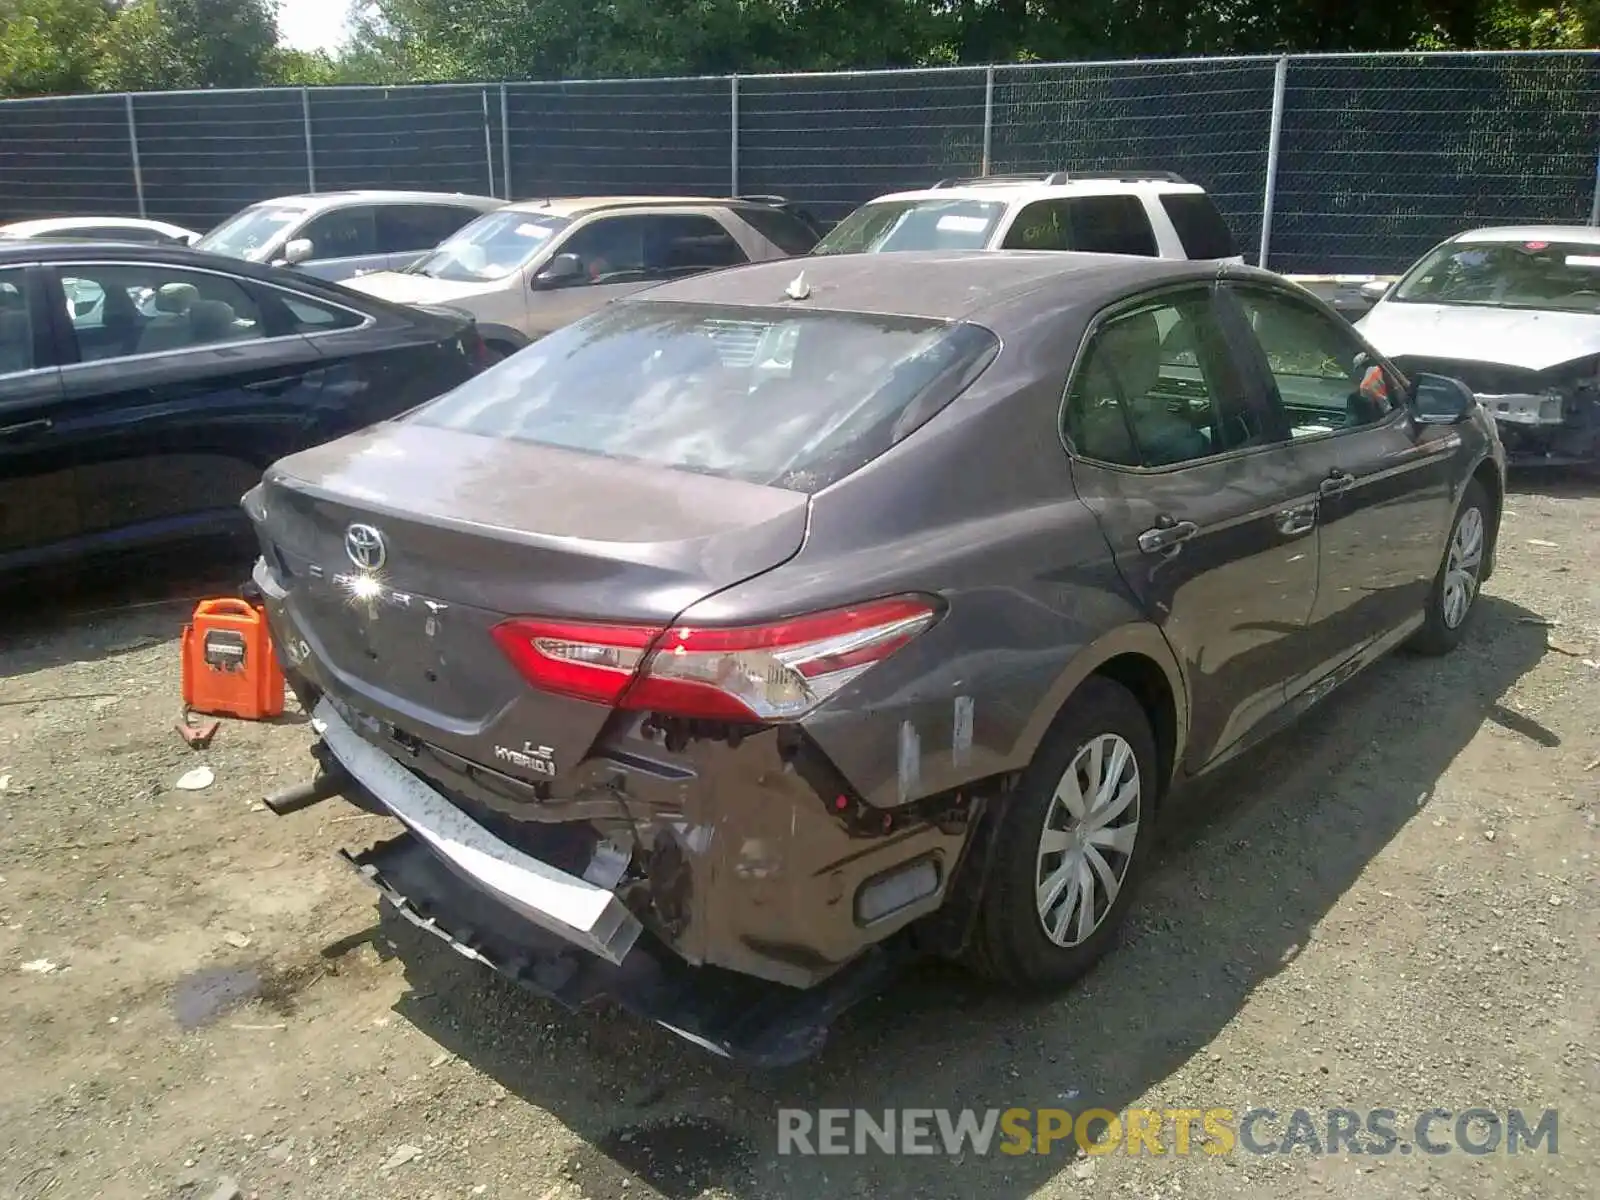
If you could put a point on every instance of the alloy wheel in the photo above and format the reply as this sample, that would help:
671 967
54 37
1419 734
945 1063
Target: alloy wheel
1086 845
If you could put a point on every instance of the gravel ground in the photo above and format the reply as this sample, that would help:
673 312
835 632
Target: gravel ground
1391 907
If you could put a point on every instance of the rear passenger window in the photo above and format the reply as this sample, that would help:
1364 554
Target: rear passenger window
1153 389
343 233
1042 225
16 327
123 309
686 243
784 230
1200 226
1111 225
406 227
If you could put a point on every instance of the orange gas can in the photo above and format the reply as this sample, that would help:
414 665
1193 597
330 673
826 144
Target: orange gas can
228 666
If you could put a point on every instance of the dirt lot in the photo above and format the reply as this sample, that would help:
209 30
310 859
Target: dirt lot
1392 907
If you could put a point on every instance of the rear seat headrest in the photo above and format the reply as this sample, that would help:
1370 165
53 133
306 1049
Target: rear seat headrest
176 297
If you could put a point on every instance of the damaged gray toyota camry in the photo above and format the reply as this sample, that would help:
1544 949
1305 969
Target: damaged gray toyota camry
727 648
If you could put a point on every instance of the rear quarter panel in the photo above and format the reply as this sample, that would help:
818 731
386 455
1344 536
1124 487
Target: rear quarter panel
387 368
977 507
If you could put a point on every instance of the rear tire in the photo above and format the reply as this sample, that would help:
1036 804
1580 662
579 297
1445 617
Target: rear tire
1071 844
500 350
1454 596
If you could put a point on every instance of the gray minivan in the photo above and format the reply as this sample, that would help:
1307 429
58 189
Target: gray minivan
337 235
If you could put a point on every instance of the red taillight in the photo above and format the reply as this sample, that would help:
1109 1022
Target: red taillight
587 662
775 672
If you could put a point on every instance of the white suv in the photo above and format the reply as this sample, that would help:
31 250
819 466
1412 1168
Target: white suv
1156 214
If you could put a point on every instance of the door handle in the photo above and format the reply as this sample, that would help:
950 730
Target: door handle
1167 534
273 386
24 428
1336 482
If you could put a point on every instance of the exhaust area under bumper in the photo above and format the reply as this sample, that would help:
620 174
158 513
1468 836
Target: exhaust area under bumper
565 936
732 1015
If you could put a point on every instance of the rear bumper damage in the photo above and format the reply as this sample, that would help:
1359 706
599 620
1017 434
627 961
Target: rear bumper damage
579 909
729 888
567 935
732 1015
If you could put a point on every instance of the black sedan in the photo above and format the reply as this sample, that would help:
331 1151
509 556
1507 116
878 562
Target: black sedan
143 389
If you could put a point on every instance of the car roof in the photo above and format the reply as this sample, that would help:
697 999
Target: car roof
325 200
1010 192
577 206
1587 235
48 224
942 285
17 251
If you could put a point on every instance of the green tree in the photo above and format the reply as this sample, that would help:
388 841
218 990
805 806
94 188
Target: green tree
50 46
156 44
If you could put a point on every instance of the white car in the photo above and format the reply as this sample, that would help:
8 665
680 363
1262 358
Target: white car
339 235
1154 214
1514 313
101 229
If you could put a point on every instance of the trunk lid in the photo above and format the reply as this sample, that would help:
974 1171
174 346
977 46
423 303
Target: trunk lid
453 533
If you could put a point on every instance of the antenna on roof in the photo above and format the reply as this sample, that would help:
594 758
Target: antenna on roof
798 288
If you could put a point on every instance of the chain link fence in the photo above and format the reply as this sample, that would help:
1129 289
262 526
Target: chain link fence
1322 163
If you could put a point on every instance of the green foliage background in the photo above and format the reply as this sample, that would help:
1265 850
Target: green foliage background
65 46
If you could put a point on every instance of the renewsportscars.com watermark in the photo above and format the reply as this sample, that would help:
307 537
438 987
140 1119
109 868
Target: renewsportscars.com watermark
1164 1132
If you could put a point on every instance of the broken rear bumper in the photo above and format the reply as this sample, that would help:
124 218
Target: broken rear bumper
732 1015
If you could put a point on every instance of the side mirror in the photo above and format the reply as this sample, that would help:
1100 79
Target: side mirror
560 271
1375 290
297 251
1440 400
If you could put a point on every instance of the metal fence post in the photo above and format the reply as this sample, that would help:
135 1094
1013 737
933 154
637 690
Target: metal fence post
305 116
1594 205
988 117
733 141
488 141
505 140
1280 79
133 148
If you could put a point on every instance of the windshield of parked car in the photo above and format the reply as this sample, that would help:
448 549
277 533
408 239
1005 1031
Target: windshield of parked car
888 225
1534 274
251 234
776 397
490 247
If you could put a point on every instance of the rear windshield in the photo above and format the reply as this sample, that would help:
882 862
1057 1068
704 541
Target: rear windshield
890 225
788 399
784 230
1534 274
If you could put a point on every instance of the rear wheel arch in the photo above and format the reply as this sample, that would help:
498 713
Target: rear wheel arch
1151 687
1488 477
497 336
1138 658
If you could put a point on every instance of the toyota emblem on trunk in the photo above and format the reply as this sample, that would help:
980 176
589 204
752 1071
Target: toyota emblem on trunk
364 545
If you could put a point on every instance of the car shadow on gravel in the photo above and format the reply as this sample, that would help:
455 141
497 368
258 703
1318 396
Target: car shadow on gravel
97 613
1249 867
